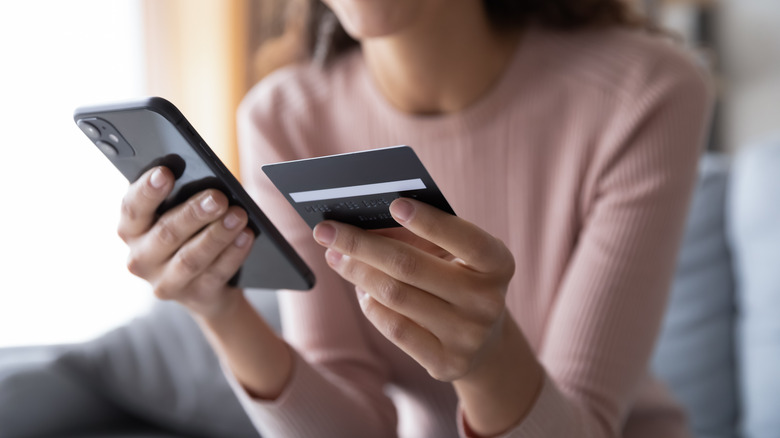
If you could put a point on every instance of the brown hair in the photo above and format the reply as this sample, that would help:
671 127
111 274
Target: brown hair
327 39
320 36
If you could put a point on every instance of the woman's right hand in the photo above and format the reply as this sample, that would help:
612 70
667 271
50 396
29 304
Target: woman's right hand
189 253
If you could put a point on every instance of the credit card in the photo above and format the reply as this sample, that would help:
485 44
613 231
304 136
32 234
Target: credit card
357 187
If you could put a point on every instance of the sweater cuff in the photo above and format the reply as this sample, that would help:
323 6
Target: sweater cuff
278 417
550 416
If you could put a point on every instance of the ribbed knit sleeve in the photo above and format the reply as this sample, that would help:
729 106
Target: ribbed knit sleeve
337 385
602 327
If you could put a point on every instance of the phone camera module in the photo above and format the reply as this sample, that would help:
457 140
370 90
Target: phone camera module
106 137
91 130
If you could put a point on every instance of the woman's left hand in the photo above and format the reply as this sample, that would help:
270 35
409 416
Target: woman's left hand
438 292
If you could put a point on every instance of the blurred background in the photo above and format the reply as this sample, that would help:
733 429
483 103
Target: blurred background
62 268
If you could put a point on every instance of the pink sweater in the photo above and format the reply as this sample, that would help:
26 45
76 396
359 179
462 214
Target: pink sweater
581 159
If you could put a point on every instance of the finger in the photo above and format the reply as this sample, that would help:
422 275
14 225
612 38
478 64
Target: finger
406 236
141 201
181 223
425 309
228 262
464 240
397 259
410 337
197 255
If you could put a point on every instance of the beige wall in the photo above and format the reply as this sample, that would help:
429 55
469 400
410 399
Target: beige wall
748 55
750 31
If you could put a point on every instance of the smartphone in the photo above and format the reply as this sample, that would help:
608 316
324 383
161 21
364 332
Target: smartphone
138 135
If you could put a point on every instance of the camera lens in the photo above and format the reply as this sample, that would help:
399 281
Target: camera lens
92 132
106 148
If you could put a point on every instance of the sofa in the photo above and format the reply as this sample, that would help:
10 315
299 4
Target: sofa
719 348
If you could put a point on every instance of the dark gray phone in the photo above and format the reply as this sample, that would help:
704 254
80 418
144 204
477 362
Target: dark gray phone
139 135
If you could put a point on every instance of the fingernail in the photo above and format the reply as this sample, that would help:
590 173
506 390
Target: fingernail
242 239
231 221
209 205
157 179
333 257
325 234
402 210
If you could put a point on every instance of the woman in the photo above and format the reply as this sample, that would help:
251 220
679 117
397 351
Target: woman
564 136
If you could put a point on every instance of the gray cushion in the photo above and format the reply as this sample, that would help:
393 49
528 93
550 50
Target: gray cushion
754 227
161 369
127 432
695 354
15 358
42 399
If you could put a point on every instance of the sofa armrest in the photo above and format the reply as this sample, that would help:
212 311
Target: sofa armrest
39 398
699 322
754 231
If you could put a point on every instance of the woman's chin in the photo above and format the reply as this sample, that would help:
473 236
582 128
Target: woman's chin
366 29
374 19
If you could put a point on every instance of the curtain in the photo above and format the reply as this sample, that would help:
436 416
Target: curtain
198 57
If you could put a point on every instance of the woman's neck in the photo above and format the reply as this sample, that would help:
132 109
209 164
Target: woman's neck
443 62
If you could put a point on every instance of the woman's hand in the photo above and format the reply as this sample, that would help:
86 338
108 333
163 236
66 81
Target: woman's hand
439 298
436 289
189 253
